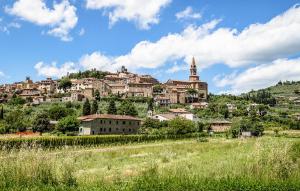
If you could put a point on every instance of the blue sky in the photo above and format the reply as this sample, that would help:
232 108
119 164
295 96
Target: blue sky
238 45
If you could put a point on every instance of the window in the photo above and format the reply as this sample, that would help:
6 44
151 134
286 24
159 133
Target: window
93 132
104 129
129 122
101 121
129 130
138 123
124 122
117 122
81 130
123 130
109 122
100 129
109 129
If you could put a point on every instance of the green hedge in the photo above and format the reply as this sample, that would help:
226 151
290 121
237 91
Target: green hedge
56 142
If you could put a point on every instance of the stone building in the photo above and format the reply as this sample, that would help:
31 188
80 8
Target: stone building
178 91
108 124
47 86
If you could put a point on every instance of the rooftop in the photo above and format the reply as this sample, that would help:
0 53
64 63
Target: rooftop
107 116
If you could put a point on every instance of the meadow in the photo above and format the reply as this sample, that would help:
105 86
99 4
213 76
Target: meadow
266 163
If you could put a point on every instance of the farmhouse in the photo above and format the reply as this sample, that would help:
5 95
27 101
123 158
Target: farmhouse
108 124
220 126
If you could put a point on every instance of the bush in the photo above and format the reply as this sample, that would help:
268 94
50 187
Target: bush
180 126
57 142
69 123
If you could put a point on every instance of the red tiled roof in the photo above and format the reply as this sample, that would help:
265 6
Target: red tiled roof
107 116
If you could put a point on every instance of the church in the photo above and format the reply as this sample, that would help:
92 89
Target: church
193 90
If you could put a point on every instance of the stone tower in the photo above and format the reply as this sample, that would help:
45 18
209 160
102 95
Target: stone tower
193 71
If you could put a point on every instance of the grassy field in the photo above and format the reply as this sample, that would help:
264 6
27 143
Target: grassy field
267 163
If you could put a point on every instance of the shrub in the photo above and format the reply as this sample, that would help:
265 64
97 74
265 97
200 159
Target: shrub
179 126
69 123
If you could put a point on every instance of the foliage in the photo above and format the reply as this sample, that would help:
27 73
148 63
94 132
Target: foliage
112 107
58 142
15 120
69 123
88 74
86 109
246 124
1 113
17 101
157 88
41 123
127 108
97 95
56 112
94 109
261 97
150 104
179 126
65 83
153 123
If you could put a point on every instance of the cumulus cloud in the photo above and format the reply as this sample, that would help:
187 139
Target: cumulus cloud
256 47
260 76
52 70
143 13
176 68
61 19
97 60
188 13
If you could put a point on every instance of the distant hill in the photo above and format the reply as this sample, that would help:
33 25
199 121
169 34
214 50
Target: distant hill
286 89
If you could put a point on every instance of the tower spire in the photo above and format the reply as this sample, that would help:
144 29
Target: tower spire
193 71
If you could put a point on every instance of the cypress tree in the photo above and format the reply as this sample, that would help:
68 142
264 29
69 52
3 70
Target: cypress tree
112 107
97 95
94 107
2 113
86 110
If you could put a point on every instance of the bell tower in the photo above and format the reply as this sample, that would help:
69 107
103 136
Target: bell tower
193 71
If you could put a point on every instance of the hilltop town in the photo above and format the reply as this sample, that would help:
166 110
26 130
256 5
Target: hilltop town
122 84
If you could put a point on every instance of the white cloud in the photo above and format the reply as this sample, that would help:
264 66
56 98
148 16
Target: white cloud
143 13
61 19
2 74
260 76
176 68
4 27
81 32
98 61
53 70
188 13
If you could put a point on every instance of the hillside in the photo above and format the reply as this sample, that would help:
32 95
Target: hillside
286 89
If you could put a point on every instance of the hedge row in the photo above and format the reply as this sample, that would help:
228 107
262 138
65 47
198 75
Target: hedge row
56 142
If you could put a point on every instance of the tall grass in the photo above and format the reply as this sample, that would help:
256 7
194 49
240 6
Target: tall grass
253 164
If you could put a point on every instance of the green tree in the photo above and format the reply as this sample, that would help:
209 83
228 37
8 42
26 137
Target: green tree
17 100
192 93
16 121
69 123
224 111
150 104
41 123
1 113
112 109
97 95
57 112
127 108
157 88
181 126
65 83
86 109
94 107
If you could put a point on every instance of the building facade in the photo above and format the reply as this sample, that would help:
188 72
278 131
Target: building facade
108 124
